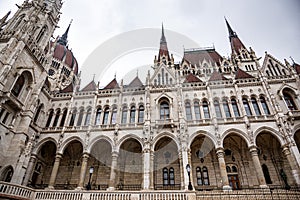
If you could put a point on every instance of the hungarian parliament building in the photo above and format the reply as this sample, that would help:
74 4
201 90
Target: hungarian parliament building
203 123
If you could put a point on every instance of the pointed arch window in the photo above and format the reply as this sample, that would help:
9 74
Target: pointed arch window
88 117
164 110
162 76
124 115
141 114
188 111
165 176
205 110
235 108
51 113
18 85
197 110
105 117
255 106
289 101
266 174
205 176
18 21
226 108
73 116
41 34
132 115
247 107
38 111
98 115
56 118
80 117
172 176
199 176
217 109
63 119
114 116
264 105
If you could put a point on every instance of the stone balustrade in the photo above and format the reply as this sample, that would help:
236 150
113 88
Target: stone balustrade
8 190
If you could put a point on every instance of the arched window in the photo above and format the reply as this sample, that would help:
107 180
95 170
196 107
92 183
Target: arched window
18 21
73 116
188 111
235 108
205 110
124 115
51 113
205 176
158 78
199 176
63 119
264 105
132 115
228 169
226 108
217 109
255 106
197 110
165 176
234 169
80 117
38 111
105 117
98 115
56 118
88 117
114 116
162 76
41 34
164 110
141 114
289 101
247 107
7 174
266 174
171 176
18 85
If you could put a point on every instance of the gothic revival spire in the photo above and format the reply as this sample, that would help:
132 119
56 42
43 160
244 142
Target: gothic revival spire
3 21
163 38
235 42
163 49
63 40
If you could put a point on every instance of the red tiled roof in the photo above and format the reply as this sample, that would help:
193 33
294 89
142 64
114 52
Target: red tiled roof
216 76
236 44
191 78
90 87
68 89
136 82
240 74
197 56
297 68
112 85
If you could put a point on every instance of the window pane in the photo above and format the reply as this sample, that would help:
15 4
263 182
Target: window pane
247 107
217 109
141 114
197 110
124 115
164 110
264 105
188 111
206 110
98 115
226 109
255 106
235 108
114 116
132 115
105 117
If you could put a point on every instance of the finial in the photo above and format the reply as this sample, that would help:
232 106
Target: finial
94 77
137 73
115 76
292 60
64 38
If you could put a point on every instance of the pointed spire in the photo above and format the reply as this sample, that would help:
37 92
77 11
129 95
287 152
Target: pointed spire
163 38
230 31
63 40
3 20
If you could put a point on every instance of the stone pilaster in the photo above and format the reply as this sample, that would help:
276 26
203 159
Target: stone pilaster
146 168
222 166
293 163
29 170
83 169
259 173
58 158
114 163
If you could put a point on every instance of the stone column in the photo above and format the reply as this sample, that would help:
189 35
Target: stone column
114 163
146 168
259 173
222 166
184 162
83 169
29 170
58 157
293 163
151 170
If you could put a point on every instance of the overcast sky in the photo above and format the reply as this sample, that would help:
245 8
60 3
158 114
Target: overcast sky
265 25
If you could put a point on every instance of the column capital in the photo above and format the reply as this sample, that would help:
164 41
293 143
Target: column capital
253 149
285 150
115 154
58 156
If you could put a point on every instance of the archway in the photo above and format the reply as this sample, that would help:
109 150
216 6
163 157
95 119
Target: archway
70 165
167 170
297 139
239 167
272 160
130 166
7 174
100 160
43 166
204 163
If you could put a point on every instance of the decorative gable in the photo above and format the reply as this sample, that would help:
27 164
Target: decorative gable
163 75
274 68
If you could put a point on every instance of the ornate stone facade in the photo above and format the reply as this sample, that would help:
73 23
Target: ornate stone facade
234 120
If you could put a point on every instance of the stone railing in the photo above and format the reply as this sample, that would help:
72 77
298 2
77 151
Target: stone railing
11 191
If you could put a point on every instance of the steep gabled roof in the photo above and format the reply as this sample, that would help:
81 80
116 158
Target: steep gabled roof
297 68
240 74
191 78
199 55
112 85
235 42
136 82
68 89
216 76
90 87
